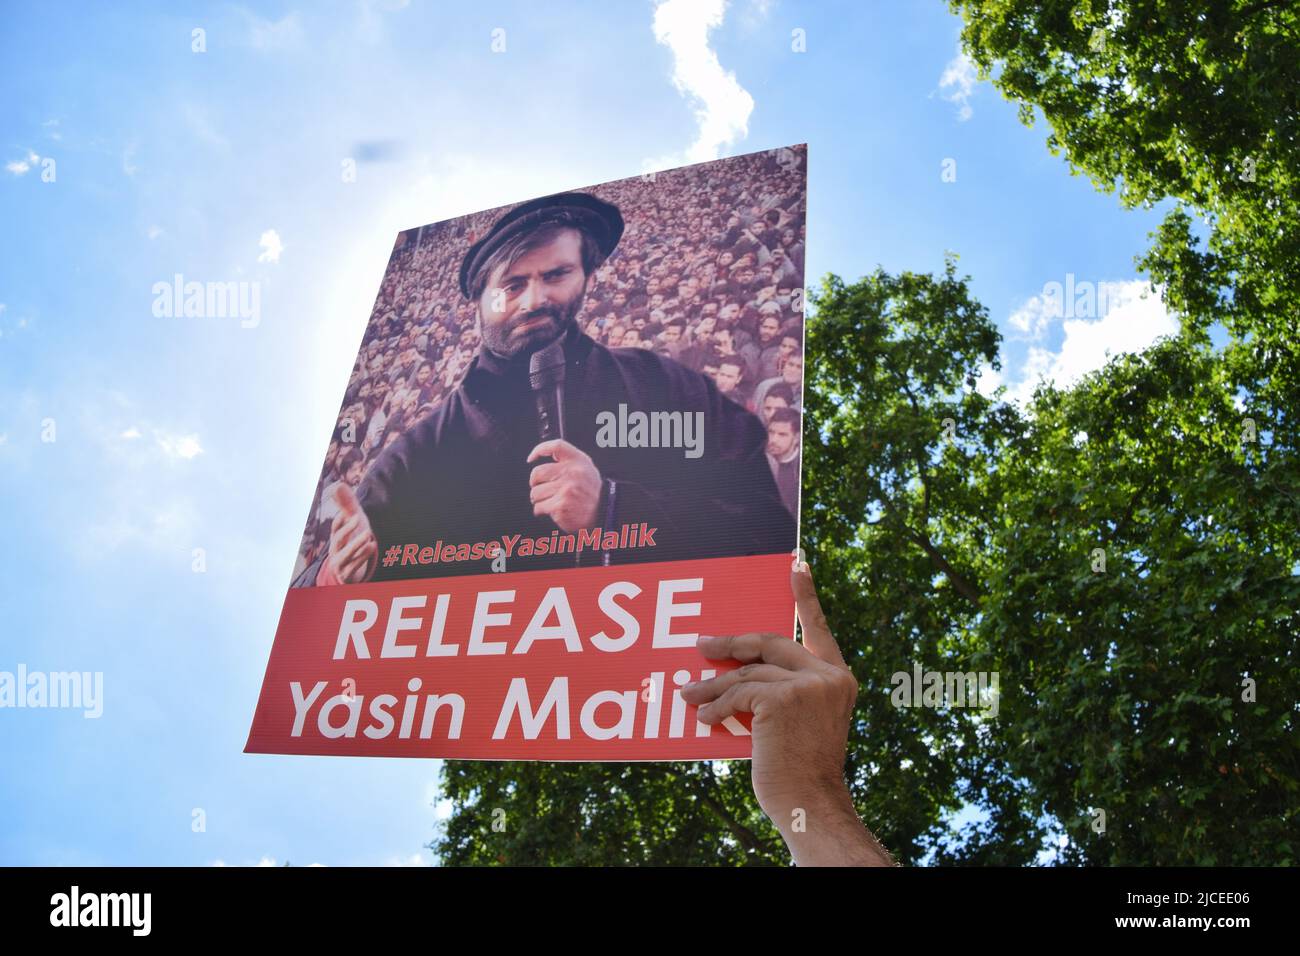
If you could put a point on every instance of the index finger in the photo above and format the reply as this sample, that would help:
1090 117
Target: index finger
748 648
543 473
817 635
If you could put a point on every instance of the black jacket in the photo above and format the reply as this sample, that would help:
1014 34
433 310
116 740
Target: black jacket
460 476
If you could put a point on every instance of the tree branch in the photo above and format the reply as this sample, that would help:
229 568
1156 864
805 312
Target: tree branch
747 837
959 582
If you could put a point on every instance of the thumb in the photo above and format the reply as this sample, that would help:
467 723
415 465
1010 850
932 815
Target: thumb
817 636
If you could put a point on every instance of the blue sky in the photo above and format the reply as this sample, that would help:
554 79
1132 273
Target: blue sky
171 434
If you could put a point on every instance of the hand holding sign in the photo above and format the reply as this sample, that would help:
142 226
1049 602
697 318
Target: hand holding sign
567 489
354 552
802 698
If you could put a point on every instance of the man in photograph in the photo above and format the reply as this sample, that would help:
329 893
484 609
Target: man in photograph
783 454
475 471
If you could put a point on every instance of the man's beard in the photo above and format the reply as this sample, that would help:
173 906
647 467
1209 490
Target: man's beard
500 339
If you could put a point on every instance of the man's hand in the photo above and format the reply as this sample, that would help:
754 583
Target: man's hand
354 552
568 488
802 698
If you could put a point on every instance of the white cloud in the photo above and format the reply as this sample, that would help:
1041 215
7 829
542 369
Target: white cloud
271 246
128 167
131 433
18 167
413 860
723 106
271 35
1033 317
154 232
987 380
1036 368
1135 317
178 446
958 82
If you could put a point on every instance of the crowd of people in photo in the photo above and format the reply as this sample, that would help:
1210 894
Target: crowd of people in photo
709 272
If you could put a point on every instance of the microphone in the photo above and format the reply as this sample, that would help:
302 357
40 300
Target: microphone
546 376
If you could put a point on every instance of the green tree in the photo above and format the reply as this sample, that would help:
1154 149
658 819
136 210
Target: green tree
1145 615
901 500
1189 469
584 814
1124 556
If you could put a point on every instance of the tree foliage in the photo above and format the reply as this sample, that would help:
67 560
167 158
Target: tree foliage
1194 104
1147 614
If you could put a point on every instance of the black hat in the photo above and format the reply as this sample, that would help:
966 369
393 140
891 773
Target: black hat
601 220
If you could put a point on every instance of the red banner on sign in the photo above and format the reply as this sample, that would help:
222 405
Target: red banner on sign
581 664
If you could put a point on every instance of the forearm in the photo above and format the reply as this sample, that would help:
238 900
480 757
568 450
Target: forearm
828 832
